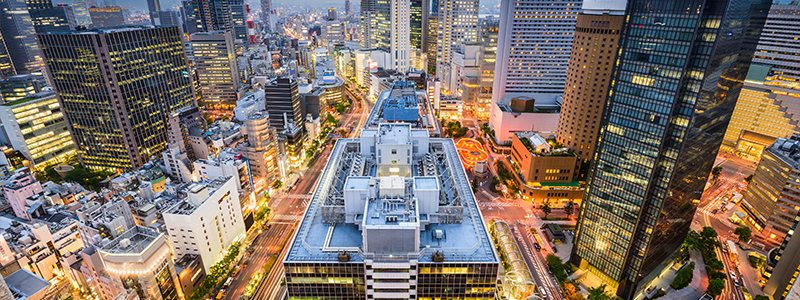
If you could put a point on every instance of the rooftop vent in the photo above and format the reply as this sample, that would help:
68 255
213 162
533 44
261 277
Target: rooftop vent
438 256
343 256
125 243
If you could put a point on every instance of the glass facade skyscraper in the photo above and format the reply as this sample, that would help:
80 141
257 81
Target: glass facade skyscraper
676 81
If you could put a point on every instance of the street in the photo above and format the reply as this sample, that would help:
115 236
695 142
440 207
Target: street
711 212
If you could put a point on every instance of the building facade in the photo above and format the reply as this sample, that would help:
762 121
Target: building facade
19 36
534 39
207 222
35 126
488 36
118 88
771 199
665 118
214 62
457 24
594 51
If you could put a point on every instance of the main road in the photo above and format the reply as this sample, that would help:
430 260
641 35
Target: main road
710 212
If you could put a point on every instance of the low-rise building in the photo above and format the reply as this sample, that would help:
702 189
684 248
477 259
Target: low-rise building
142 259
544 170
524 113
207 221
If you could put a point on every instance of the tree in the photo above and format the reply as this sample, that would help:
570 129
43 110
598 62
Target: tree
708 239
715 172
569 208
683 277
545 207
691 242
744 233
599 293
715 286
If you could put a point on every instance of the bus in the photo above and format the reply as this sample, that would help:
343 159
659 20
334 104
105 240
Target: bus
732 251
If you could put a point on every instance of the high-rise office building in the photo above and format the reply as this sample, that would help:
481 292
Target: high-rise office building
393 218
214 61
419 24
347 8
488 40
594 51
80 9
432 38
210 15
283 103
671 99
118 88
457 24
6 65
769 106
154 9
770 201
400 34
386 25
19 36
46 17
106 16
534 41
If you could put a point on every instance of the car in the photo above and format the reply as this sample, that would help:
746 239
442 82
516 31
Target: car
543 292
715 211
537 246
733 276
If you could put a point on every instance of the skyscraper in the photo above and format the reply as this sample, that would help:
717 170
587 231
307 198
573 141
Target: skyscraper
6 66
46 17
671 98
19 36
331 14
154 8
386 25
347 8
488 36
210 15
534 42
457 24
283 103
594 51
118 88
214 62
419 24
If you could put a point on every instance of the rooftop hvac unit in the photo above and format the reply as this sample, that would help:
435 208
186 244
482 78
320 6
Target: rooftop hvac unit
439 233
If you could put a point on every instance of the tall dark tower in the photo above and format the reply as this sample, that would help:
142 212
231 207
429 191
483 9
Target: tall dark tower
675 84
117 88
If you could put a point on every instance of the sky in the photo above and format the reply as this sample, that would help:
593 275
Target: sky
141 5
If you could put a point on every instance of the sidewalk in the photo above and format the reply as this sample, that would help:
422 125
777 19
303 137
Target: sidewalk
695 289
